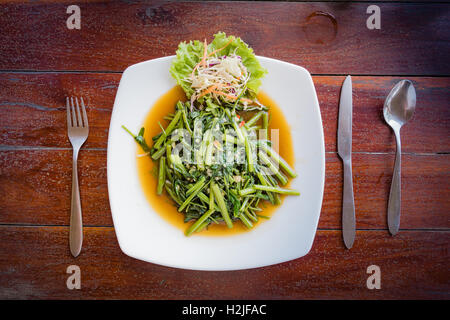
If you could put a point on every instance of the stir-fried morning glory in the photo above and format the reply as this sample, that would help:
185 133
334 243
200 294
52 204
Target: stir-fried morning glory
214 159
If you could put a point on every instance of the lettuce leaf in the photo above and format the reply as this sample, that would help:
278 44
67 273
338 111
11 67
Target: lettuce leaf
190 54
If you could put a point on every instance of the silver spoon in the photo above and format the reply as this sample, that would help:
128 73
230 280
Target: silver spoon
398 109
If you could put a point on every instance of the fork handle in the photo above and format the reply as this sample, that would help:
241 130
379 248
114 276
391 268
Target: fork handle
76 223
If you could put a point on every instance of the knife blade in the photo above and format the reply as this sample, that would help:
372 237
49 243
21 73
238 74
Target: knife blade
345 152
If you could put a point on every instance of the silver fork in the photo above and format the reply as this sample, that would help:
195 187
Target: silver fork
78 130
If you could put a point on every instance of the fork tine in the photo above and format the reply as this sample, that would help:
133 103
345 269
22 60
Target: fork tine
69 120
74 115
85 119
80 123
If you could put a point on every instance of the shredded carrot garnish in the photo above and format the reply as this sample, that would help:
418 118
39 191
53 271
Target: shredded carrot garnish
231 40
246 100
209 90
225 94
203 61
241 124
205 52
195 68
238 116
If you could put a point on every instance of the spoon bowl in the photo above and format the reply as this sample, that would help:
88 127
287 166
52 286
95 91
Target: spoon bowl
400 103
398 109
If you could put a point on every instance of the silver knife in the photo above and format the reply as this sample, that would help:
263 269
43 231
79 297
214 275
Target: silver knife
345 152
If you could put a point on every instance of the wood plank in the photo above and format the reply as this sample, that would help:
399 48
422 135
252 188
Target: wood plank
92 1
414 265
35 187
427 131
32 111
33 107
425 191
413 39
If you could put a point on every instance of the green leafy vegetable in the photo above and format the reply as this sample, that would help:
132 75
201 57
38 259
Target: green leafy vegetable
249 59
235 186
190 54
209 161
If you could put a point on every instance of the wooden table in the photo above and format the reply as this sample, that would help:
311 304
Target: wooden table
42 62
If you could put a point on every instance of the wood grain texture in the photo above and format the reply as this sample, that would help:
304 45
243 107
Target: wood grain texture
413 39
425 191
35 185
32 111
42 62
68 2
413 266
427 132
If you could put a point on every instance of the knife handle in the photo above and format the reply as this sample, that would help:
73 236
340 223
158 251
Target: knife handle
348 206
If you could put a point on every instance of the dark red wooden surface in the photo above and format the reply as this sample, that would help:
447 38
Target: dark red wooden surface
112 32
42 62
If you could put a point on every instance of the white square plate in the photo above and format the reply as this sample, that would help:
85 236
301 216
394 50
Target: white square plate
143 234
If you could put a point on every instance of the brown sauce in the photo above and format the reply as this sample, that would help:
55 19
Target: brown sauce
147 168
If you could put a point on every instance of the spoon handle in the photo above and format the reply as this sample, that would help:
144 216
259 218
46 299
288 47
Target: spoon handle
395 196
